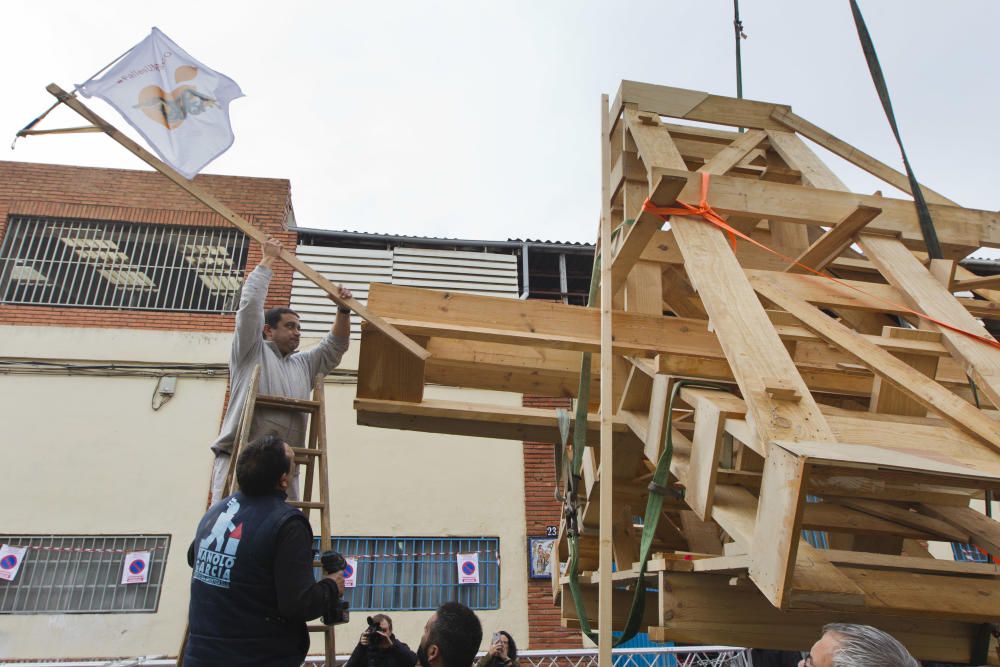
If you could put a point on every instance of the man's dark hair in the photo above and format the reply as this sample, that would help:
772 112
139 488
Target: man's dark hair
457 633
273 316
511 646
261 465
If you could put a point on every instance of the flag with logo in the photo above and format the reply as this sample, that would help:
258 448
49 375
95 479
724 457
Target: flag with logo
178 105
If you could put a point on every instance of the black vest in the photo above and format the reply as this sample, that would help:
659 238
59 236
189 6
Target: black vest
233 616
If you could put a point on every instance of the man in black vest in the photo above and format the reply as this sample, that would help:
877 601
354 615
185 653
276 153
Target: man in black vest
451 638
253 587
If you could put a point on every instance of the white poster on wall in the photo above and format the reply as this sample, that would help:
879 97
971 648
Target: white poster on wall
10 561
351 573
468 568
136 570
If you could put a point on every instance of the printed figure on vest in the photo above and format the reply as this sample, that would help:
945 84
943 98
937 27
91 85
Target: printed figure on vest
379 647
270 340
253 587
451 637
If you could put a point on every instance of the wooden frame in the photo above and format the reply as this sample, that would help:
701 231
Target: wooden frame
837 391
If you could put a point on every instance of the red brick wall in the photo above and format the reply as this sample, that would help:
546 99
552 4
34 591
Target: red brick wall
541 509
141 196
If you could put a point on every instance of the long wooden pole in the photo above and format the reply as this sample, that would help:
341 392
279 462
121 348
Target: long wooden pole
253 232
604 595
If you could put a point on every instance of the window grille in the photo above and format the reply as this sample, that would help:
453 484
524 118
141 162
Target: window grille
968 552
416 573
81 574
135 266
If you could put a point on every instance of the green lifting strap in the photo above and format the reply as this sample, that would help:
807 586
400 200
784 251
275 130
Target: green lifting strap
923 213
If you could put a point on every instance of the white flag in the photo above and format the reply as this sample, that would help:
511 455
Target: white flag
178 105
10 561
468 568
351 573
136 570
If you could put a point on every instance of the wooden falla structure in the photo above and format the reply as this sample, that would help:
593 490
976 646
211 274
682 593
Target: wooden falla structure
846 398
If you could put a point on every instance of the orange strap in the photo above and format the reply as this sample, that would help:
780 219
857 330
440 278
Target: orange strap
705 211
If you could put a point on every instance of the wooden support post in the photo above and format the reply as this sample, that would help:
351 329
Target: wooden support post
605 592
886 399
245 226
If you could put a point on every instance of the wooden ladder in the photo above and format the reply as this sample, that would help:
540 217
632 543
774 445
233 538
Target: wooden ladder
313 457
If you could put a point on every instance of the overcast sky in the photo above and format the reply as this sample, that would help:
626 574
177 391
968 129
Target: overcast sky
480 119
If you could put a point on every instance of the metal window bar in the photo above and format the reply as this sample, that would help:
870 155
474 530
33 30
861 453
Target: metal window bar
121 265
415 573
81 574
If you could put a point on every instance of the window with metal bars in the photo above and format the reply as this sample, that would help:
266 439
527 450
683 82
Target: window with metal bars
415 573
82 574
133 266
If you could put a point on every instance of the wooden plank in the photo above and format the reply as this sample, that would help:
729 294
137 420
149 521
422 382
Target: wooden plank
706 449
941 529
829 247
887 399
853 155
705 609
696 105
776 535
815 173
979 282
961 229
241 223
911 382
731 155
924 293
873 297
386 370
984 530
605 592
911 563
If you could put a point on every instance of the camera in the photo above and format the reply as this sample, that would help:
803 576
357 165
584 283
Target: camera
373 626
341 611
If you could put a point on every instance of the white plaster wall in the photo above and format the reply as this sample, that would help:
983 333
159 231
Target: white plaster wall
88 455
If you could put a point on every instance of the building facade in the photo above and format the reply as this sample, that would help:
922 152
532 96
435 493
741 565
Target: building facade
117 293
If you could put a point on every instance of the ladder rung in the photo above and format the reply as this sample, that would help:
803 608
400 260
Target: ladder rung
317 628
303 505
306 451
282 403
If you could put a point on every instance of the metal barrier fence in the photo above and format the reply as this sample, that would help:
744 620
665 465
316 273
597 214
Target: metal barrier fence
673 656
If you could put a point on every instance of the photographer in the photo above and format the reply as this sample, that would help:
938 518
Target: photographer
378 647
253 587
502 652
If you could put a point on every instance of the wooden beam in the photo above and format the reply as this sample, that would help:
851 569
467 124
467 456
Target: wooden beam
941 529
792 150
886 399
386 370
960 229
898 373
926 294
984 530
853 155
696 105
980 282
835 241
241 223
605 591
731 155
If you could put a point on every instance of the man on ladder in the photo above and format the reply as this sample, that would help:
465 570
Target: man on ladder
270 341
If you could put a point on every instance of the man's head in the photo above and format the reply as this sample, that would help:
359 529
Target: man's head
264 466
846 645
384 624
281 326
451 637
